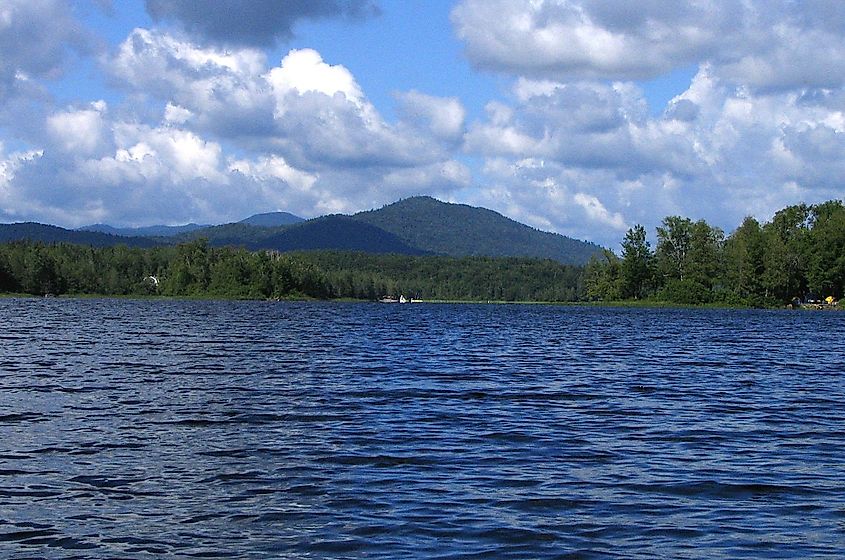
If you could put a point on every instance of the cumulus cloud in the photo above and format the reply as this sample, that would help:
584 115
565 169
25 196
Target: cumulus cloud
591 38
215 134
38 39
309 111
577 149
78 131
213 130
765 44
444 117
252 22
34 35
587 159
218 85
586 124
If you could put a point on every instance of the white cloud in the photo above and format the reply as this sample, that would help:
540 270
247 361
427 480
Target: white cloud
34 37
443 116
596 211
432 179
765 44
312 113
303 71
202 80
79 131
215 134
590 39
176 114
273 168
169 155
587 159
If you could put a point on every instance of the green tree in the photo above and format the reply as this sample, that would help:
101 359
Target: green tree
825 249
636 265
744 264
603 277
673 245
688 259
787 248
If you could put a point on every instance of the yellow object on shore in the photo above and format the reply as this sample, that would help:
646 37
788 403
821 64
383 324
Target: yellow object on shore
829 300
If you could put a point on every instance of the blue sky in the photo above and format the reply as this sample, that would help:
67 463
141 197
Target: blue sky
583 117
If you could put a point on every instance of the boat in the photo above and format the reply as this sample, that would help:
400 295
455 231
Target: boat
391 299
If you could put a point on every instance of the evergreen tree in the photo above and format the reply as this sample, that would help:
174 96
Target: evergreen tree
636 266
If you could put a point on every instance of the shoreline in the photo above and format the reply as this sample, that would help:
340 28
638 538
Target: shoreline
637 304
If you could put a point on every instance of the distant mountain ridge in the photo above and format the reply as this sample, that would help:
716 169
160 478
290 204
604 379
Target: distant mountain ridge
336 232
272 219
413 226
146 231
31 231
267 219
461 230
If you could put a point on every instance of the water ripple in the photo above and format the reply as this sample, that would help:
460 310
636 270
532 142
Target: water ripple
252 430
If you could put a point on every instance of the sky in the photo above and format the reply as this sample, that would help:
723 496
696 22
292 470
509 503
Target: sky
583 117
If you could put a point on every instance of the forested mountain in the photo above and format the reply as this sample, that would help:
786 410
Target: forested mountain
146 231
272 219
461 230
335 232
415 226
52 234
236 234
265 220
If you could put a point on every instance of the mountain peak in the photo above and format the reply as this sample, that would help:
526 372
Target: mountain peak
462 230
272 219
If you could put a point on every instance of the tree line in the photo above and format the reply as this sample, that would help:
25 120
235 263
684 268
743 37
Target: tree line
800 253
196 269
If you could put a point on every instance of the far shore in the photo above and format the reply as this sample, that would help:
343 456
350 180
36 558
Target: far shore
644 304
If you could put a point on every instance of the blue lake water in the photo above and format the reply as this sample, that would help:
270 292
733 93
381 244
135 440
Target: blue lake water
157 429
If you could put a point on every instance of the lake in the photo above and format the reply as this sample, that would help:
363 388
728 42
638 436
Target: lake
165 429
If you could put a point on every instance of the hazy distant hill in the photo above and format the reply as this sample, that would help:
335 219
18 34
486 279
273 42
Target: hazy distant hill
238 234
461 230
147 231
272 219
269 219
414 226
52 234
336 232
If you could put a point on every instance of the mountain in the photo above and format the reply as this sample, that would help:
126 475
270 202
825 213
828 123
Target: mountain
335 232
52 234
272 219
269 219
147 231
238 233
461 230
414 226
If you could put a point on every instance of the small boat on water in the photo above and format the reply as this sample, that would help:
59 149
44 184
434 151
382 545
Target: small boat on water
391 299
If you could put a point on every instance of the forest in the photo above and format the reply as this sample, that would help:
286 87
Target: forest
195 269
800 253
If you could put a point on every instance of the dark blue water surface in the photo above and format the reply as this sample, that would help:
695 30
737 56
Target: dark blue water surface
150 429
